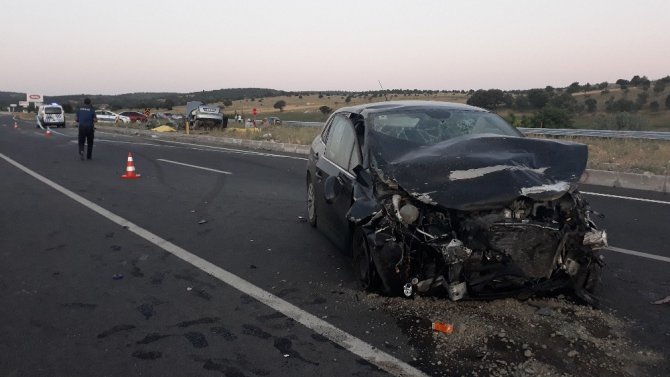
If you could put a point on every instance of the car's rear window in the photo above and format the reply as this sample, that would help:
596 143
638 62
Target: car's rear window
53 110
431 126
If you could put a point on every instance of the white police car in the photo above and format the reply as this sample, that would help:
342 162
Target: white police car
50 116
110 116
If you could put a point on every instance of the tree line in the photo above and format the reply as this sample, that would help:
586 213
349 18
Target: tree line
556 107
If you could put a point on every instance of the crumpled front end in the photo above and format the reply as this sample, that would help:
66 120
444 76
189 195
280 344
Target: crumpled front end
523 246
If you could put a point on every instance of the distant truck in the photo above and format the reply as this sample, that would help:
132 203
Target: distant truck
201 116
50 116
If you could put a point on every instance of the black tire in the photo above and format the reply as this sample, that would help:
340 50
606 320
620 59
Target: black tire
364 268
311 203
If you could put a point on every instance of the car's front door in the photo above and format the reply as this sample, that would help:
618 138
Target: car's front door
341 155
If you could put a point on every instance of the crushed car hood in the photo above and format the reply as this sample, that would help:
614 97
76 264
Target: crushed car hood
484 171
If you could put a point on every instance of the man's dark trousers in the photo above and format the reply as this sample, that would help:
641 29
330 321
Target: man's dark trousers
86 135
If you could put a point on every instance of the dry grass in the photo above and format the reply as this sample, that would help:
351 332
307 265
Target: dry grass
627 155
279 134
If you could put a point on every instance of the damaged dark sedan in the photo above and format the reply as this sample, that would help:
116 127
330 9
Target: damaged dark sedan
445 197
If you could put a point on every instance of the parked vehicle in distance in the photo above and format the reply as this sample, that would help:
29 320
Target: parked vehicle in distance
110 116
274 121
50 116
135 116
435 196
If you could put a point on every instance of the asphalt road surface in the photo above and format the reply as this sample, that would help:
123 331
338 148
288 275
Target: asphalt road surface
205 267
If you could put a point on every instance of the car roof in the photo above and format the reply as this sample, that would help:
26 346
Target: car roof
379 107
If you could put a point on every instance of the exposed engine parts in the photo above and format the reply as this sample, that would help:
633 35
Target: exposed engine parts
526 245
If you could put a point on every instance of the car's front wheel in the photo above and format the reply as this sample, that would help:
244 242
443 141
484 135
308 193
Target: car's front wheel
362 262
311 202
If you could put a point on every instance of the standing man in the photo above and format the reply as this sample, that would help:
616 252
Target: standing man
86 118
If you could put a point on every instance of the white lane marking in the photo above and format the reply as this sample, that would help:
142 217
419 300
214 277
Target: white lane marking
356 346
625 197
638 254
194 166
130 142
208 148
241 151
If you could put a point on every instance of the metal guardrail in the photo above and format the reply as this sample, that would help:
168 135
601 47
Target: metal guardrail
648 135
302 124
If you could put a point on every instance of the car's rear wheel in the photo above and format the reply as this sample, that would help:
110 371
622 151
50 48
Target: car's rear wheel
363 266
311 204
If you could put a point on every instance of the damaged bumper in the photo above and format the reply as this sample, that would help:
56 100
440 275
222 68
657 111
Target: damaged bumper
525 246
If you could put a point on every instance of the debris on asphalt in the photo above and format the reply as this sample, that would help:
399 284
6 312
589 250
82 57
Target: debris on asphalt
117 277
508 337
545 311
203 221
302 219
253 266
446 328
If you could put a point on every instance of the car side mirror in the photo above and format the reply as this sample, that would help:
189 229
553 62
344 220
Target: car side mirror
362 176
332 188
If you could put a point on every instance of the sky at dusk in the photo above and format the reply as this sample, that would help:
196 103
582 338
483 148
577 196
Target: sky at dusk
124 46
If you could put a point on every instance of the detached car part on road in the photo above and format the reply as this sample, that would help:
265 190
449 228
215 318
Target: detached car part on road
434 195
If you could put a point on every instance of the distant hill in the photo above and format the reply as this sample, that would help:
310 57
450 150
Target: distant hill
635 104
152 100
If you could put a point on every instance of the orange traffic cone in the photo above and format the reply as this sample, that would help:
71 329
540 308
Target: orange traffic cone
130 169
48 133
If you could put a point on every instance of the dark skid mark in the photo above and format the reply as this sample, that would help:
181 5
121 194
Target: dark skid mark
79 305
109 235
114 330
147 310
284 292
197 339
285 346
116 248
147 355
194 280
137 272
317 301
320 338
200 321
366 364
246 299
223 332
228 371
269 317
151 338
255 331
56 247
202 294
157 278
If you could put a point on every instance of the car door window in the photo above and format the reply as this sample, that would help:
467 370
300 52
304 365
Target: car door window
341 144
